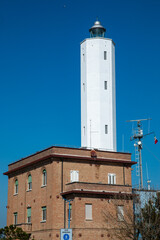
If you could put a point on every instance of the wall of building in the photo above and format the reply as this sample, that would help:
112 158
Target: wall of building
93 176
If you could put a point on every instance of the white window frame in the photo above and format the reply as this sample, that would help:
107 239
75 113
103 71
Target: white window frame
88 211
74 176
120 213
111 178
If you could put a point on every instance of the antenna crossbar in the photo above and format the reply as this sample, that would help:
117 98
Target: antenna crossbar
139 120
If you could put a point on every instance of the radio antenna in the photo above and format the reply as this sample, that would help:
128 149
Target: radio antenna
138 136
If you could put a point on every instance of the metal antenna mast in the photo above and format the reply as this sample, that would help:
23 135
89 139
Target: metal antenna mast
137 136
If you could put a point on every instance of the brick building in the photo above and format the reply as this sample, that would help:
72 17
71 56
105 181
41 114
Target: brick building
95 181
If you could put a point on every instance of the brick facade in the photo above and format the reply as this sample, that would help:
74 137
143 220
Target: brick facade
91 188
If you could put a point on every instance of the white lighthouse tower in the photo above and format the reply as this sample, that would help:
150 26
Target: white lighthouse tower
98 100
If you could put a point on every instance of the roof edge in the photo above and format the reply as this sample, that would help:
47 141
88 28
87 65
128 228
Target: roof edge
94 160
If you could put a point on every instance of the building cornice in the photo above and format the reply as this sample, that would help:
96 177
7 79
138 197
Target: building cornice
92 193
73 158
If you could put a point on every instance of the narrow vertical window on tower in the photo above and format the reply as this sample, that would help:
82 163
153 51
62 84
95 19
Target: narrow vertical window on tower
105 85
84 87
105 55
84 131
83 57
106 129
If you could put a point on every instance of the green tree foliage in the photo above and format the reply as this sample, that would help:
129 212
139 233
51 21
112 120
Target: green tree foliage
148 221
12 232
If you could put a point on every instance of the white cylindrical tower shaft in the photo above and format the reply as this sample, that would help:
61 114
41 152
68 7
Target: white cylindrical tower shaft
98 103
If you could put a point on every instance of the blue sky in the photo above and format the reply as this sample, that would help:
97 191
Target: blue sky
40 75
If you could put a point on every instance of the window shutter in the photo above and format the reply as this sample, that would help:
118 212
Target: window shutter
114 181
120 212
74 176
111 178
88 211
44 177
71 176
77 176
29 179
29 212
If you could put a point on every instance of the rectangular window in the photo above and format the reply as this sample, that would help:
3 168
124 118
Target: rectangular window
111 178
106 129
44 177
84 131
120 213
29 182
88 211
44 213
15 218
105 85
29 215
74 176
16 187
83 57
84 87
105 55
